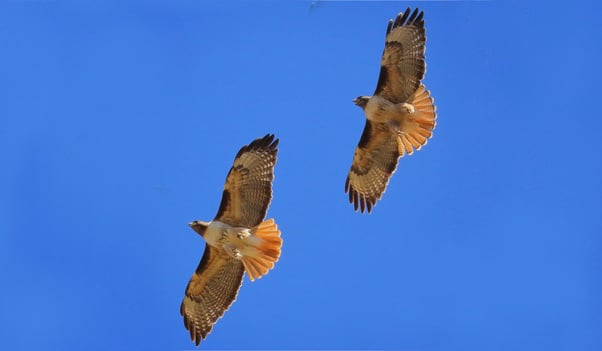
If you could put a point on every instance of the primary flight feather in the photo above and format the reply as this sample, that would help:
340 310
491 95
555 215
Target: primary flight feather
400 115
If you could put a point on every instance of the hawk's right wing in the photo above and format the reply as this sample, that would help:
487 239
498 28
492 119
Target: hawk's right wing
210 292
374 161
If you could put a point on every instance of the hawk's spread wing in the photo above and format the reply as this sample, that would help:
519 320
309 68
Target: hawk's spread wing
210 292
402 65
374 161
248 189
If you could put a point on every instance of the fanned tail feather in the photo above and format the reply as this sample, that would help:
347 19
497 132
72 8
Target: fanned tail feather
266 251
419 127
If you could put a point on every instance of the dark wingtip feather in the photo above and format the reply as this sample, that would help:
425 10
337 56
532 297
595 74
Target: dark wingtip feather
359 201
275 144
401 17
397 20
408 18
420 18
266 141
260 143
269 141
389 26
413 16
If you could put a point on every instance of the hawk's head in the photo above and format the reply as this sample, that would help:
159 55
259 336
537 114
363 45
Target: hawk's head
199 227
361 101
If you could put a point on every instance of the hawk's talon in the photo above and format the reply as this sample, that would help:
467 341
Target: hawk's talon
243 234
408 107
232 251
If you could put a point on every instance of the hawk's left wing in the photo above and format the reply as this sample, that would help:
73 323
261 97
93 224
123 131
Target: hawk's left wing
403 64
374 161
210 292
248 189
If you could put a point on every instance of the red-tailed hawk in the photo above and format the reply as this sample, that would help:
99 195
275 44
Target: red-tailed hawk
237 240
400 116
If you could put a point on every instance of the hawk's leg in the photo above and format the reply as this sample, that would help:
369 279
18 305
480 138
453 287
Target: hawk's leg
409 108
405 112
241 233
394 127
232 251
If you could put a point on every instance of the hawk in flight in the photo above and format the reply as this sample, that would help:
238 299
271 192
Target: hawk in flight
238 239
400 116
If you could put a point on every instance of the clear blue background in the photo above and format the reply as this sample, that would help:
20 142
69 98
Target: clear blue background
120 120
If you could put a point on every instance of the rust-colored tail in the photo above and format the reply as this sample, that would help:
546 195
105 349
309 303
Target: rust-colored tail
418 128
267 245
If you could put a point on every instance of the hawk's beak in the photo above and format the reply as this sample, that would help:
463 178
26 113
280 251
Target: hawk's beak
199 226
355 101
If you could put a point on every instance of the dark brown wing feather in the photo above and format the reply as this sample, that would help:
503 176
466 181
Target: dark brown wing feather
210 292
403 64
248 189
374 161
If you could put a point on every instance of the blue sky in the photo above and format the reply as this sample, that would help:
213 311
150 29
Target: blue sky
120 121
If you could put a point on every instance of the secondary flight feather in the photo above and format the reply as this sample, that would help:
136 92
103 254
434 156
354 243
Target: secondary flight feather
238 239
400 115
